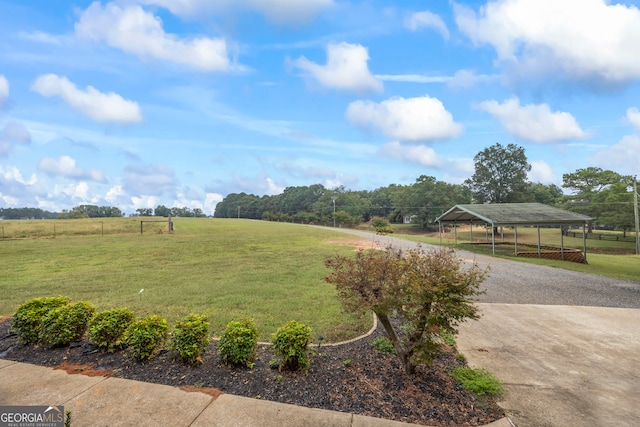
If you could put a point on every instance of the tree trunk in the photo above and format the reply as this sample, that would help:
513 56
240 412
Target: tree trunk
401 352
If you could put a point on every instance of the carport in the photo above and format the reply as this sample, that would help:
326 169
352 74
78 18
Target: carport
514 215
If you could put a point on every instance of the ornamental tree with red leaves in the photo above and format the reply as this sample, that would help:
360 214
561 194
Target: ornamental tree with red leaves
417 295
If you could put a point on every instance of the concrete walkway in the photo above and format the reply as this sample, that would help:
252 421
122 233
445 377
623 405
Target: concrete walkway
100 401
561 365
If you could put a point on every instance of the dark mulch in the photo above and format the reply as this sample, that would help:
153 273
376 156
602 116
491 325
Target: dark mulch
349 378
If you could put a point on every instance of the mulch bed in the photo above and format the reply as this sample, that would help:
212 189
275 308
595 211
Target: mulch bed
351 378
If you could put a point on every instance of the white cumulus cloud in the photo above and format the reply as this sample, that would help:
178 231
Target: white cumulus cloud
67 167
210 202
4 90
149 180
534 122
420 154
541 172
426 19
634 117
99 106
406 119
623 157
144 202
136 31
585 39
346 69
278 11
12 134
74 192
15 190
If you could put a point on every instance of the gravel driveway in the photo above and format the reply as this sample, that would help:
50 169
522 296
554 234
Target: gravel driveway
514 282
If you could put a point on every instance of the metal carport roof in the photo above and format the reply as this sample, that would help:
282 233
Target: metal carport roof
515 214
508 214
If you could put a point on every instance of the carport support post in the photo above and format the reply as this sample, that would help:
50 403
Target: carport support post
538 227
471 232
562 242
455 233
515 234
584 241
493 239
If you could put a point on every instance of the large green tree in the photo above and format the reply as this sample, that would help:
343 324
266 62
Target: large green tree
602 194
500 175
428 198
546 194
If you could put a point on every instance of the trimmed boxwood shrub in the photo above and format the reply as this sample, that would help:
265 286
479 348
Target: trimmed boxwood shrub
190 337
146 336
290 344
28 318
107 328
65 324
238 344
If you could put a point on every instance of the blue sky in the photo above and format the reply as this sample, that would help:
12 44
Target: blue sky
137 103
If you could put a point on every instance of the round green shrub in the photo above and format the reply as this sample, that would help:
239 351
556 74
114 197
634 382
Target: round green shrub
107 328
238 344
28 318
65 324
190 337
290 344
146 336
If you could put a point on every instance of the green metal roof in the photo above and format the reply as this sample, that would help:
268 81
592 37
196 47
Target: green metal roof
511 214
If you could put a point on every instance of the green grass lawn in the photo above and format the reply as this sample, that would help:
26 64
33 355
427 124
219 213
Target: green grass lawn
226 269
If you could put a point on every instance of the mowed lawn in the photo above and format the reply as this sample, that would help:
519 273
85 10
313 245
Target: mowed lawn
224 268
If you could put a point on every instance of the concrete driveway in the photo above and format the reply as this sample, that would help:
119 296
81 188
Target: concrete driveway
561 365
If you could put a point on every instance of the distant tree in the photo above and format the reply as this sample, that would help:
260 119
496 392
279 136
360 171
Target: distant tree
343 217
428 294
430 198
26 213
500 175
601 194
181 212
144 212
91 211
162 210
585 182
380 202
381 225
242 205
546 194
616 206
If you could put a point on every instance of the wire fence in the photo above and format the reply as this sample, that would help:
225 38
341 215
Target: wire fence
47 229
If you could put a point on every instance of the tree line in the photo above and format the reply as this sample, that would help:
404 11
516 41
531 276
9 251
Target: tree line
500 176
94 211
166 212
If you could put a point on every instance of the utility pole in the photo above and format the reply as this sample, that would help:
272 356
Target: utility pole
334 211
635 212
238 212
